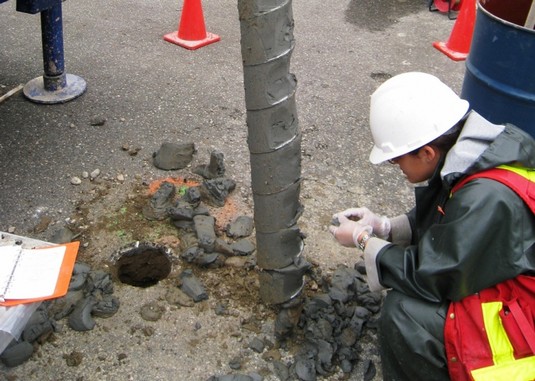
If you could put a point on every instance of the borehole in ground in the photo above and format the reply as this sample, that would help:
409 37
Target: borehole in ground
143 264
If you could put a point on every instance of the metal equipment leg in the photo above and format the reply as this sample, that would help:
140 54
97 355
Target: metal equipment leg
55 86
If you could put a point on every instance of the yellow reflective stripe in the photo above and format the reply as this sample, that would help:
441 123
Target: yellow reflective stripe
518 370
527 173
506 367
502 350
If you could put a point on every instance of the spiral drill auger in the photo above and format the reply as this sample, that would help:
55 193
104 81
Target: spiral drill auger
274 141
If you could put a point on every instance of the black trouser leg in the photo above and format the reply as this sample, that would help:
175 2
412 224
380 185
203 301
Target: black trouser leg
411 338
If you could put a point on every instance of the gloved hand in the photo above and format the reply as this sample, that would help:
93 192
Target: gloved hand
380 224
348 231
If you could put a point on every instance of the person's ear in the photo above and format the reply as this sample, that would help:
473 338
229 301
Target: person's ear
429 153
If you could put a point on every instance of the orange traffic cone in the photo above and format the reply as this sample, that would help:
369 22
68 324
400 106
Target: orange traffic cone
458 44
191 30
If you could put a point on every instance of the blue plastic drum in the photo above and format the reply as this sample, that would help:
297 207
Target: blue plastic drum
499 81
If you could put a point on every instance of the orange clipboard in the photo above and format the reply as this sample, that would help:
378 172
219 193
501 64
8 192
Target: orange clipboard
64 276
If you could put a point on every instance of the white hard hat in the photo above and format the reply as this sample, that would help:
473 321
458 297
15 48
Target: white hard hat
410 110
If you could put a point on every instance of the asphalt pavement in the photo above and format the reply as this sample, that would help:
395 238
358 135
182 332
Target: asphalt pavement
149 91
143 91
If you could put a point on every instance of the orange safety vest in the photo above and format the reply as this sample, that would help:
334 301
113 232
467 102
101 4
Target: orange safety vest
491 335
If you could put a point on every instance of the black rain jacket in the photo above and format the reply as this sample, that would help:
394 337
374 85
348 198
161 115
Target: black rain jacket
481 235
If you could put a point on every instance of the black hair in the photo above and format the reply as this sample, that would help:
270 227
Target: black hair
445 141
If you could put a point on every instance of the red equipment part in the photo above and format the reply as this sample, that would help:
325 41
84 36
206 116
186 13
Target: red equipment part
448 5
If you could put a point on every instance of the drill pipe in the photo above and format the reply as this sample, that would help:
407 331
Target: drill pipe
274 142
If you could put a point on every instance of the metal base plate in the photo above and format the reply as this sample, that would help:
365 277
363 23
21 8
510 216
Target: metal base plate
35 90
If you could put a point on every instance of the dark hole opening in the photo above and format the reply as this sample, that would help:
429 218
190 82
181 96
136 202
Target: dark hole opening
143 265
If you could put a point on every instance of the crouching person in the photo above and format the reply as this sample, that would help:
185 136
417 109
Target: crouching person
460 266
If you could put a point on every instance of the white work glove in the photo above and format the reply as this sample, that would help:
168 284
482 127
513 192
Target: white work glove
348 232
380 224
